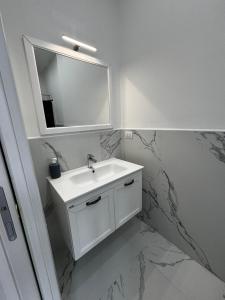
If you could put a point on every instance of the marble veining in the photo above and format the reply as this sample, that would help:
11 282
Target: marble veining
149 145
142 268
61 159
136 263
65 277
168 264
171 199
110 142
216 142
116 286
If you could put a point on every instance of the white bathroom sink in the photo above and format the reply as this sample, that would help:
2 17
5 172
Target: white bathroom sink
77 182
100 173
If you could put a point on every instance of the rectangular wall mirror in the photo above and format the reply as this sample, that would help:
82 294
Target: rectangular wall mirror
71 90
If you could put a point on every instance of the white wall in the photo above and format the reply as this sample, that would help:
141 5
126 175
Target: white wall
94 21
171 54
173 63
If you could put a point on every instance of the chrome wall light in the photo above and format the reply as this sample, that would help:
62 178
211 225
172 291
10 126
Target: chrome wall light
77 44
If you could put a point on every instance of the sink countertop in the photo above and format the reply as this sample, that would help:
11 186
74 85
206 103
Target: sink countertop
68 188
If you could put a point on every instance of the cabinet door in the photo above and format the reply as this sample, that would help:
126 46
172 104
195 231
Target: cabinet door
91 222
128 199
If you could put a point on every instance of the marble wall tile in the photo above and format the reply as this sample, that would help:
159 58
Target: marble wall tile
183 189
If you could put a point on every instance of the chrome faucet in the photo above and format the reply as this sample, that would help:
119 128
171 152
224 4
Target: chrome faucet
91 159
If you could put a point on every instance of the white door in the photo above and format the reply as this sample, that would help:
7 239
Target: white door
17 280
91 222
128 199
8 289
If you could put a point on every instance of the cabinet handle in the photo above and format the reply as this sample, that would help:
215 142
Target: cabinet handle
129 183
94 202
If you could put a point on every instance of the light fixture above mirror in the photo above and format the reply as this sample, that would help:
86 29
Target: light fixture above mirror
77 44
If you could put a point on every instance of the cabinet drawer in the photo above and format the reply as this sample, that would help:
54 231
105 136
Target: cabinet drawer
91 222
128 198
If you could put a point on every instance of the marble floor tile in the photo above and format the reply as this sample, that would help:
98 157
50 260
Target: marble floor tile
190 277
136 263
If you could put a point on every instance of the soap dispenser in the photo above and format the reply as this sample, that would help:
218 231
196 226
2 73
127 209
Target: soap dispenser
54 168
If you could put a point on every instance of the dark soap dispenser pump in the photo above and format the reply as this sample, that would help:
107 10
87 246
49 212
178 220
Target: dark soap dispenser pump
54 168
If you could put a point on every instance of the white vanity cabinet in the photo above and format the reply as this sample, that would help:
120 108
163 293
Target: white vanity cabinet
128 198
92 205
91 221
96 216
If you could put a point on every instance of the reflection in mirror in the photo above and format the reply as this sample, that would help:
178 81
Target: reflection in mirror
74 92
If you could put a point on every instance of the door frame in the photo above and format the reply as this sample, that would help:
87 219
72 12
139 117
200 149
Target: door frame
19 162
17 276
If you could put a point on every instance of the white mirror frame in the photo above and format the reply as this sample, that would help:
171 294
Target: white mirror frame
29 44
